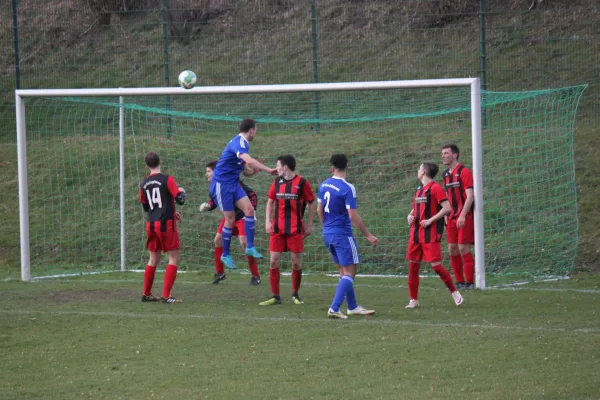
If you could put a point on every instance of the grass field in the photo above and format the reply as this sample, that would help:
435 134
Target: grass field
91 337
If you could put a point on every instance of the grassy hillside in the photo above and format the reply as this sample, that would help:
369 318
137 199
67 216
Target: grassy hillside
551 47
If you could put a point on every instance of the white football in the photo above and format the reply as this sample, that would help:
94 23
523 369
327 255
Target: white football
187 79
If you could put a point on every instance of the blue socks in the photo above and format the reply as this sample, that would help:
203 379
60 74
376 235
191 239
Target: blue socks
249 227
344 289
226 234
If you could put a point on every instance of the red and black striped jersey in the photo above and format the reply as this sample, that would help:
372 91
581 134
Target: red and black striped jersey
456 182
157 195
427 203
290 198
239 214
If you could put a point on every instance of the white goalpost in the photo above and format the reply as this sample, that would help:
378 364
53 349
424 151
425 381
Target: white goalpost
21 97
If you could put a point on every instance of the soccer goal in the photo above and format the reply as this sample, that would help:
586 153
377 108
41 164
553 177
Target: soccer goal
81 151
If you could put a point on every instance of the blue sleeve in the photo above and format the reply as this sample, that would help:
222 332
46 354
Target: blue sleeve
350 197
320 194
239 146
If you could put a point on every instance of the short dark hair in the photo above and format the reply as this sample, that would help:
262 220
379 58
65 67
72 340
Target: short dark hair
339 161
247 124
287 161
152 160
431 169
453 148
212 165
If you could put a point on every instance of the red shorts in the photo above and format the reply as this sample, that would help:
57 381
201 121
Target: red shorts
238 228
281 242
162 241
428 252
464 235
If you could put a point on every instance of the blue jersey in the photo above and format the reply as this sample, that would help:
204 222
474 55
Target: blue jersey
337 197
230 164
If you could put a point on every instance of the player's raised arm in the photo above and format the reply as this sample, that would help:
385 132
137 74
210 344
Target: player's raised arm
257 165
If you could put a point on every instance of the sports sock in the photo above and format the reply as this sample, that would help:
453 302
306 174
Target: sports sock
274 275
351 297
149 279
342 291
456 262
219 267
469 263
445 277
413 280
249 225
226 234
296 280
170 276
253 265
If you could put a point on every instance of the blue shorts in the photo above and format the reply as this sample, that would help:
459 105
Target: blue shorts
225 195
343 249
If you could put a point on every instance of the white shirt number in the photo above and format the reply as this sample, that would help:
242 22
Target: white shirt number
154 198
327 197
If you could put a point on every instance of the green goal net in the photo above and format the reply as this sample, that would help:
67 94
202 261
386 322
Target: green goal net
530 201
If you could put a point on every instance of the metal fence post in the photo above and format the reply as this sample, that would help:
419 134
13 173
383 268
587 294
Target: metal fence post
165 31
315 55
16 45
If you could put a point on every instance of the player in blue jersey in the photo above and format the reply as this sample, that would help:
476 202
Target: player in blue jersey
337 212
226 191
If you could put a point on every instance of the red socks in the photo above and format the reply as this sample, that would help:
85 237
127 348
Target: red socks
252 265
445 277
219 267
274 275
296 279
148 279
469 266
170 276
413 280
456 262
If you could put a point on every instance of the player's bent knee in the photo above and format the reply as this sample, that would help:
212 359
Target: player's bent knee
464 248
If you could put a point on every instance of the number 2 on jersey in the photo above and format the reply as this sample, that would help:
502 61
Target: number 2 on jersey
154 198
327 197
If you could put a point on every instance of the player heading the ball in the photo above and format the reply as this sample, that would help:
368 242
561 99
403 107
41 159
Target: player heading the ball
227 192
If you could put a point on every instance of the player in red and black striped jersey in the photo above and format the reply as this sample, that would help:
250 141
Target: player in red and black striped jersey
460 230
158 194
426 220
287 200
238 230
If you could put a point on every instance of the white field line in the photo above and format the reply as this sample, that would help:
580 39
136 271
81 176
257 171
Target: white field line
515 287
370 321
